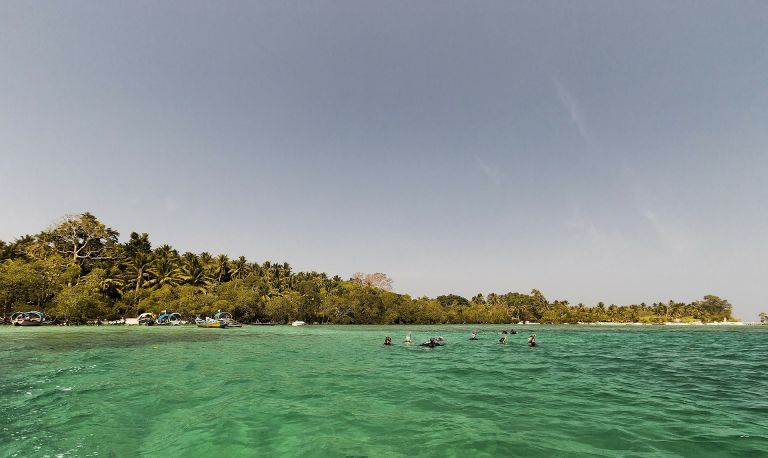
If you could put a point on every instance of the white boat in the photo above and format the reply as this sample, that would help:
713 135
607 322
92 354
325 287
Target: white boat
226 317
298 323
33 318
147 319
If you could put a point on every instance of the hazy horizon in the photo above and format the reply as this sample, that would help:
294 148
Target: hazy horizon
594 151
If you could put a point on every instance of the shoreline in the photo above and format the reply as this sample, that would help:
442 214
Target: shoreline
595 324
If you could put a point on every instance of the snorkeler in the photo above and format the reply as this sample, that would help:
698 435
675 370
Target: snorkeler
431 343
387 340
474 335
532 341
503 340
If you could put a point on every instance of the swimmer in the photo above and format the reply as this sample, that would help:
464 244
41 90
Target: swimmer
532 341
474 335
387 340
503 340
408 338
430 344
512 331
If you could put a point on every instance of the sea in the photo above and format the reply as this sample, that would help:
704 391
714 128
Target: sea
337 391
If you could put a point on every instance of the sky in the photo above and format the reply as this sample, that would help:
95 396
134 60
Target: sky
597 151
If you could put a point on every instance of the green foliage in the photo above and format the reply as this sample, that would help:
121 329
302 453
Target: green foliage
83 301
77 271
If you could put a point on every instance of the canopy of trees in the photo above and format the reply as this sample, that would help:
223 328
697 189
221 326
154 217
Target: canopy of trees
78 271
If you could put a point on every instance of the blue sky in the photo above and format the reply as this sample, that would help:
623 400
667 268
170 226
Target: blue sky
594 150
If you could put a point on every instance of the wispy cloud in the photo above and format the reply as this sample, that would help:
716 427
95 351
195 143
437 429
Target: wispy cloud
581 225
572 108
491 172
590 245
669 234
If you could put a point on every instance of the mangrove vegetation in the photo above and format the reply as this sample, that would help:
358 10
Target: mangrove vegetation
79 271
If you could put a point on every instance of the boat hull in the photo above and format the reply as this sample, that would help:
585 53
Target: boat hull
27 323
212 325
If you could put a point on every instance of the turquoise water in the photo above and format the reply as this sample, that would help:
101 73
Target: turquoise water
336 391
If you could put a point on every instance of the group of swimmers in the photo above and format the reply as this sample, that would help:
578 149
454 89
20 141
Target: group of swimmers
440 340
431 343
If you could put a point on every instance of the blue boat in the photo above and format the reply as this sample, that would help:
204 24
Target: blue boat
169 319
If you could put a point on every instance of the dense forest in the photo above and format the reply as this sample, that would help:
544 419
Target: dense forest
78 271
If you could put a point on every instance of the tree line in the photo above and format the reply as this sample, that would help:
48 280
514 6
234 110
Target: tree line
78 271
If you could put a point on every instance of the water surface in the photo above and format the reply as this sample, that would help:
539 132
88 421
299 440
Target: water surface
337 391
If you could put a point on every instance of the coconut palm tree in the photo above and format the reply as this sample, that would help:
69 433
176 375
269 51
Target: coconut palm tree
239 268
166 269
137 269
221 271
194 273
111 285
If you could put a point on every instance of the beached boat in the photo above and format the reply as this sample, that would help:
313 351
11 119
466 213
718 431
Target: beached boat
33 318
147 319
210 323
226 317
298 323
169 319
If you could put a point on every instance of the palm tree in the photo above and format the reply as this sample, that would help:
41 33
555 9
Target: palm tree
221 268
239 268
194 273
138 266
166 269
281 276
111 285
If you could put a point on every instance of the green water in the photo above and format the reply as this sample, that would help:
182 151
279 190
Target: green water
336 391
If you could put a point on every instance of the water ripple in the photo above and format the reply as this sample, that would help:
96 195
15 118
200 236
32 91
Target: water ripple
333 391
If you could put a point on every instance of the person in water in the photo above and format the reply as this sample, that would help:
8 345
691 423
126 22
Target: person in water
503 340
532 341
387 340
408 338
474 335
431 343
